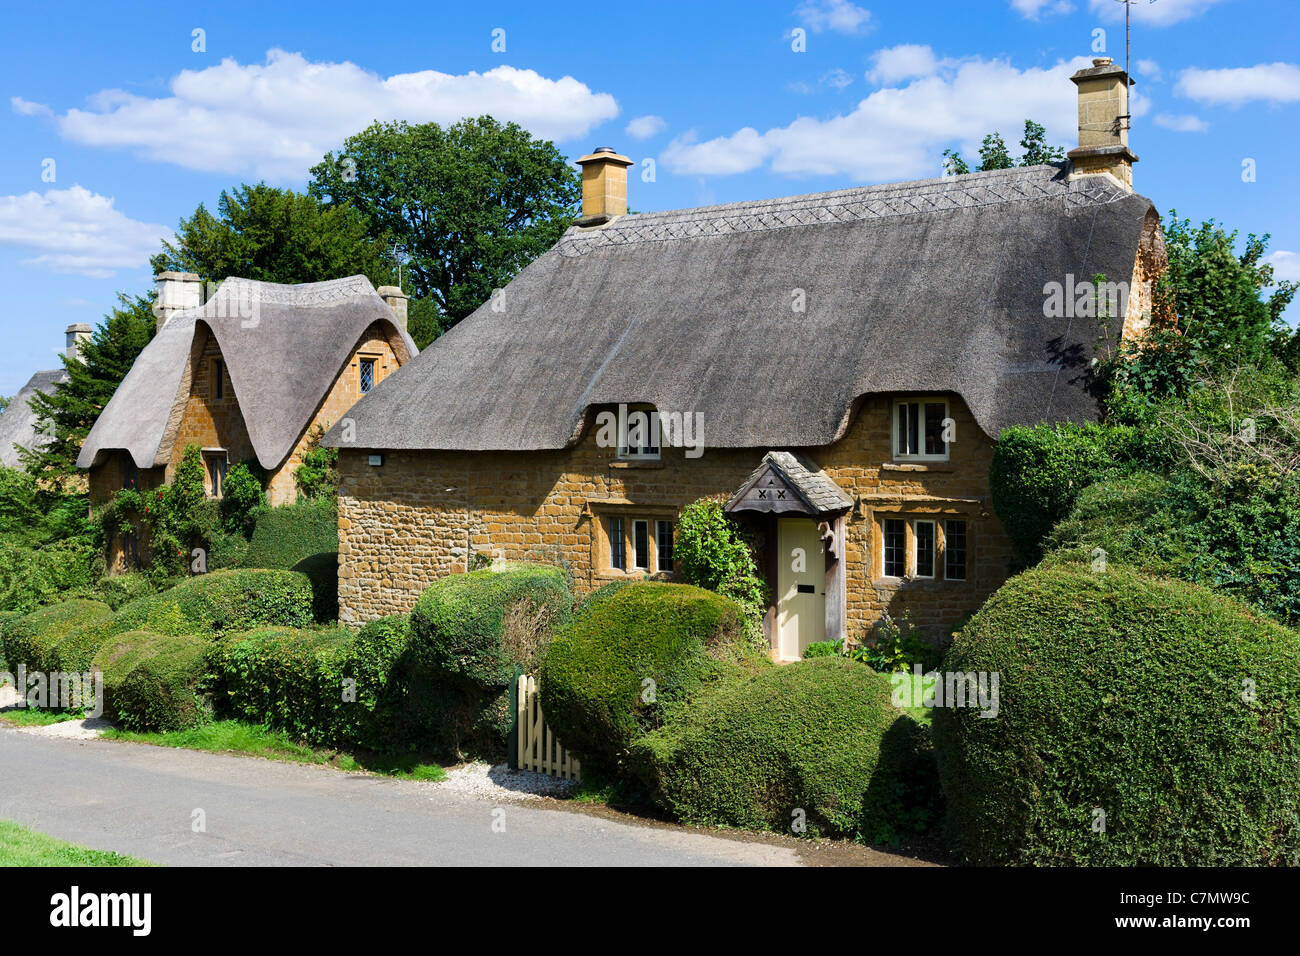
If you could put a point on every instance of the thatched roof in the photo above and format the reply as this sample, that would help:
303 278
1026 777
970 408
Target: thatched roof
932 286
284 346
18 421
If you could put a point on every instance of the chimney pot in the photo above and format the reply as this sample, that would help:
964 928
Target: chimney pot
73 337
1104 121
396 300
604 186
177 291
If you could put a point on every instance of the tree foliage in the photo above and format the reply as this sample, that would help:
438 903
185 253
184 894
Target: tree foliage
468 205
994 153
275 235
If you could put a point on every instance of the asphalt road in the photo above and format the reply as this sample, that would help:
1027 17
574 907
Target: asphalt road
142 801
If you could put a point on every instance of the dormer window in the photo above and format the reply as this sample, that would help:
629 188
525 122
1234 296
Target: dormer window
638 434
367 375
218 380
919 430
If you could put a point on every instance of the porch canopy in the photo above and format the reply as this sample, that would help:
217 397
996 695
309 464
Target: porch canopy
786 483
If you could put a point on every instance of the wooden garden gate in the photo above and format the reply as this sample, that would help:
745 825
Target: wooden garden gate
538 749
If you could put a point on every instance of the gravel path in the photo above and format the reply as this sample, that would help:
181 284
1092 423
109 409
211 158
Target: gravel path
500 782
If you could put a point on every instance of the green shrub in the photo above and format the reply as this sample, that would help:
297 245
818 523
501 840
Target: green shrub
221 601
483 626
1173 710
301 537
627 659
34 575
822 649
1038 472
816 743
163 692
317 476
119 654
34 638
240 496
710 552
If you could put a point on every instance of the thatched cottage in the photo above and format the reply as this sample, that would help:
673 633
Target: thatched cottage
837 366
19 424
256 373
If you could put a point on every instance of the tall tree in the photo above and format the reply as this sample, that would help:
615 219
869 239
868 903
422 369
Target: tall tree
67 413
276 235
1036 152
467 206
995 155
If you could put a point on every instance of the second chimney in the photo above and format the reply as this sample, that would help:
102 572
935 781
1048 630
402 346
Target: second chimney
177 291
396 300
1104 122
604 186
73 336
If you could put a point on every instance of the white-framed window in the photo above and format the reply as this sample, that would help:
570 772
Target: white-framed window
216 466
638 435
954 550
894 541
923 548
639 545
918 429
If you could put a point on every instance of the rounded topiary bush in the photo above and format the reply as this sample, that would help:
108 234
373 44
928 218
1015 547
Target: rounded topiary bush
479 627
163 691
1169 709
812 747
628 658
118 655
222 601
34 639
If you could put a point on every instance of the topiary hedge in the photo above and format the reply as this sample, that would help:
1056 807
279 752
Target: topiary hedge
33 639
480 627
222 601
301 537
1170 709
629 657
118 655
163 691
812 747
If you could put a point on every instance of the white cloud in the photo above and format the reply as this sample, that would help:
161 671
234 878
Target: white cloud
77 231
27 108
1033 9
643 127
903 62
897 133
275 119
1269 82
1161 14
840 16
1183 123
1150 69
1286 265
837 78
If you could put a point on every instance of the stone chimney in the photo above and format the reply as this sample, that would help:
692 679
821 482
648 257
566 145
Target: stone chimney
177 291
73 336
604 186
396 300
1104 122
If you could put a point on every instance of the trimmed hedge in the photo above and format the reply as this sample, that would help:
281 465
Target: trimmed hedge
301 537
1128 695
629 656
118 656
163 691
816 743
34 638
471 634
330 687
222 601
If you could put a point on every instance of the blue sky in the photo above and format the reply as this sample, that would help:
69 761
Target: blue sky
141 127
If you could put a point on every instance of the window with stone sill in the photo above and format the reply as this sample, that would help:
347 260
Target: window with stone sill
639 544
918 427
914 549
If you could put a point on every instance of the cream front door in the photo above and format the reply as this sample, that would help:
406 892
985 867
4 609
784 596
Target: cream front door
801 587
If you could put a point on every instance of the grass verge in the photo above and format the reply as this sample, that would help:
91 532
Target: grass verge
22 847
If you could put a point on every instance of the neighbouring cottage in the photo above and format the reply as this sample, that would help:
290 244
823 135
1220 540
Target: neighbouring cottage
256 373
19 424
838 366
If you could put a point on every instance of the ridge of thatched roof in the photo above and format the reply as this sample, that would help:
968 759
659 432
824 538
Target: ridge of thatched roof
18 421
931 286
283 345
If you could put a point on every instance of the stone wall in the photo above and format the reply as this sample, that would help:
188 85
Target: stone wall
422 515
